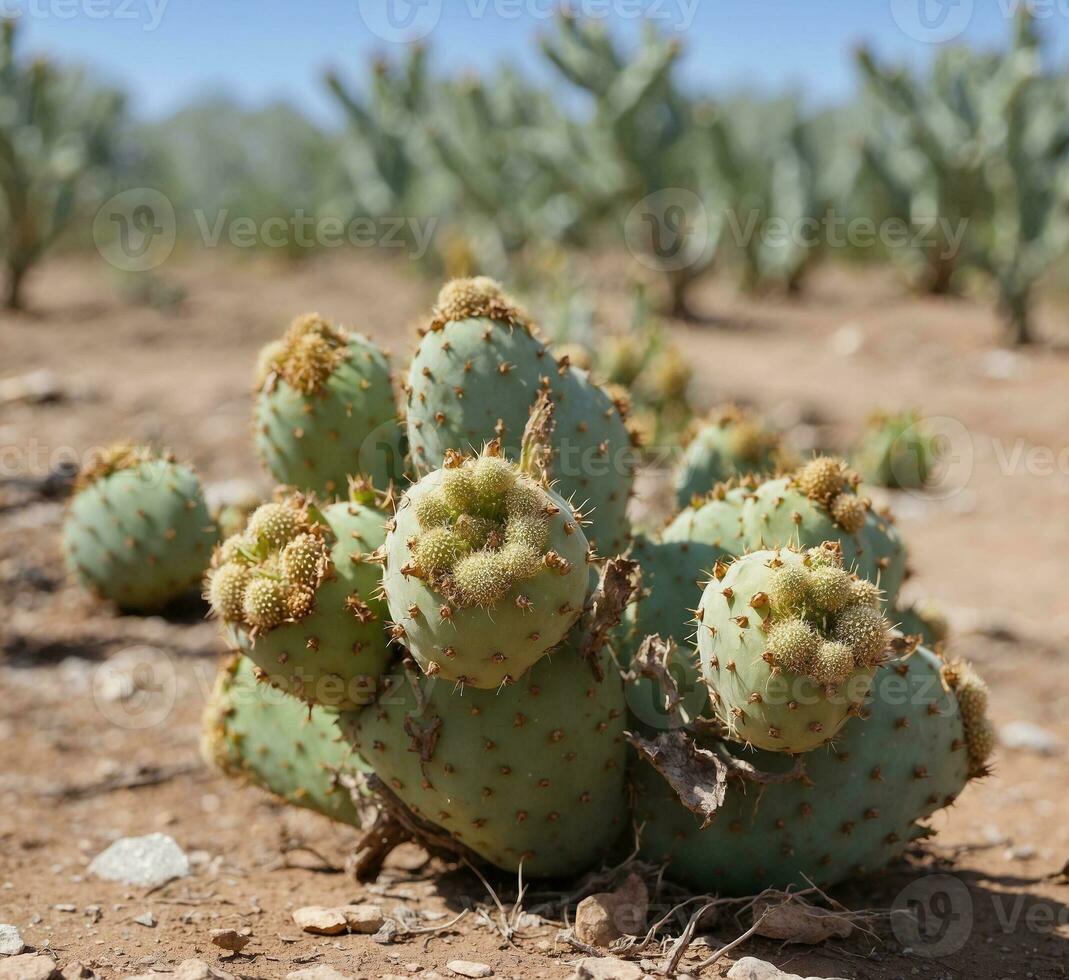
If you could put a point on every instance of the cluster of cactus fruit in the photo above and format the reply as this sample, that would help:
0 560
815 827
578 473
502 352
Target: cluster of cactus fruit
458 653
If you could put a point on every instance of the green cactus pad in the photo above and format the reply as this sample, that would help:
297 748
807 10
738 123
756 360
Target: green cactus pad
788 647
485 571
137 531
254 732
326 411
593 464
672 577
731 443
713 520
299 593
533 774
476 375
858 808
818 504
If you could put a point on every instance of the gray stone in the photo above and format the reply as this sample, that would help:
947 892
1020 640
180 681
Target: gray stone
146 862
11 943
1030 738
606 968
465 968
320 972
751 968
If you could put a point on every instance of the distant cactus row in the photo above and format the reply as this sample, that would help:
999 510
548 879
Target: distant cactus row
485 651
968 160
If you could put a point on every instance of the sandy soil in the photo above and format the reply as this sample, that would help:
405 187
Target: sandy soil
990 546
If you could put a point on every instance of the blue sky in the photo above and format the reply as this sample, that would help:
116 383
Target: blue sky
168 52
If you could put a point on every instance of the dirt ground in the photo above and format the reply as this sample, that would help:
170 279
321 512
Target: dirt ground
80 765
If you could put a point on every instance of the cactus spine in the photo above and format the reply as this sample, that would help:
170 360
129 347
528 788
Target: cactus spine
325 410
138 531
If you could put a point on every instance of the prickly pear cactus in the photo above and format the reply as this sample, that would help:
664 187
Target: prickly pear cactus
715 519
533 774
254 732
897 451
673 574
298 590
476 375
731 443
789 642
818 503
486 570
138 531
325 410
859 804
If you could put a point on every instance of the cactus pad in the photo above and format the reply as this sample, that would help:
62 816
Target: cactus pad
486 570
532 774
818 503
325 410
298 592
858 807
254 732
789 644
138 531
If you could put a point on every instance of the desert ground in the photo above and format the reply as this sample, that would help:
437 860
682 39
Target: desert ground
99 712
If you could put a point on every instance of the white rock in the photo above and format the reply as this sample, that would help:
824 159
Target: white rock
1031 738
320 972
606 968
751 968
344 918
465 968
146 862
11 943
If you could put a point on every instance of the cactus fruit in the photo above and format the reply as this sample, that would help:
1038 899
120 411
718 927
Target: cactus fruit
858 806
732 442
475 376
715 519
789 642
325 409
295 751
896 451
531 775
137 531
485 571
818 503
298 591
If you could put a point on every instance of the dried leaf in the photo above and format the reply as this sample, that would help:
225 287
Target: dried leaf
698 776
621 581
651 661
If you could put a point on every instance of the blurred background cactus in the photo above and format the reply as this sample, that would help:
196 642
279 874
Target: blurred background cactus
58 138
